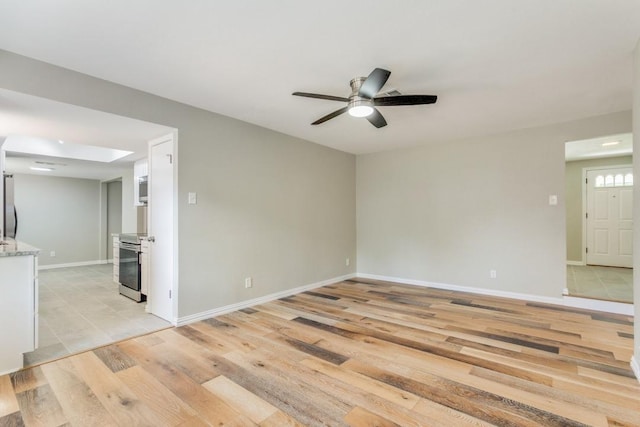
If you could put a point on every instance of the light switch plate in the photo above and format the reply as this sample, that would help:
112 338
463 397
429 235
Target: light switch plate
193 198
553 200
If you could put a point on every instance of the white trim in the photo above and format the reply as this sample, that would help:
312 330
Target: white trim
598 305
72 264
255 301
590 304
576 263
635 366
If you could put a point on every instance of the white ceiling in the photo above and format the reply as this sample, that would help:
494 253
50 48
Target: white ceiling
496 65
34 125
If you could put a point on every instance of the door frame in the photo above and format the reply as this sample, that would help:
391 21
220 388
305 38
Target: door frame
174 256
584 203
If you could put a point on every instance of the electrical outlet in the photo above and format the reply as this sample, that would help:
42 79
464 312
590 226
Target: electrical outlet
347 262
493 274
248 282
52 254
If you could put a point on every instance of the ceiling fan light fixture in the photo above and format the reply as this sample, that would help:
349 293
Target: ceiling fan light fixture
361 111
360 108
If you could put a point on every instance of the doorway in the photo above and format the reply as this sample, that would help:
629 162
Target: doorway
79 304
599 203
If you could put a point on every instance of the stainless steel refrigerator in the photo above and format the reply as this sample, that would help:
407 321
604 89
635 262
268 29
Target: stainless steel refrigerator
10 225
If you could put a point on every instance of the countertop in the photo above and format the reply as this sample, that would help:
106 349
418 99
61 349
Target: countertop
10 247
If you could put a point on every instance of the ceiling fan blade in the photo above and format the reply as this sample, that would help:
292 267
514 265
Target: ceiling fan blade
376 119
320 96
386 101
374 83
330 116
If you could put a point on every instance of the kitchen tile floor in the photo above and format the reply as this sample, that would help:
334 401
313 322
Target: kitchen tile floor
604 283
80 308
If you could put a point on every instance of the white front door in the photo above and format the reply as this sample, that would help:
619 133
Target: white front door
610 217
161 206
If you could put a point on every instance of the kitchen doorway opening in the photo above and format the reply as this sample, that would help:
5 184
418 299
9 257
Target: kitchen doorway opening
70 210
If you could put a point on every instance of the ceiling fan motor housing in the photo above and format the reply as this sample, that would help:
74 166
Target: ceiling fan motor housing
358 106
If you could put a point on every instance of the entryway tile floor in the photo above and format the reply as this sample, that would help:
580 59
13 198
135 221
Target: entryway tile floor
80 309
603 283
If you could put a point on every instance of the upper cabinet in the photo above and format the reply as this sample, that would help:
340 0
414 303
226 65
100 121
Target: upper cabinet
140 180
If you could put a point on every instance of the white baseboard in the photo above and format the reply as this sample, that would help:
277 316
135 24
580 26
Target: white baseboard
635 366
598 305
590 304
71 264
255 301
578 263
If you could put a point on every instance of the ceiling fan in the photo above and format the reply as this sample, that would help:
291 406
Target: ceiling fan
363 99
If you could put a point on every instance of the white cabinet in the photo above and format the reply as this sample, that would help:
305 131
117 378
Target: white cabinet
140 170
116 259
144 267
18 309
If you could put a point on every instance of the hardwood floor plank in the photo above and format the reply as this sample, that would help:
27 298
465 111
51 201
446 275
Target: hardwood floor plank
114 358
162 402
485 406
454 417
209 407
363 334
199 371
358 352
27 379
364 383
12 420
359 417
284 390
327 385
251 405
39 407
121 403
79 404
8 401
555 394
280 419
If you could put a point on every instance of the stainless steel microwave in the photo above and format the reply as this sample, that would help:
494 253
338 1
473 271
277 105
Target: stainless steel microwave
143 189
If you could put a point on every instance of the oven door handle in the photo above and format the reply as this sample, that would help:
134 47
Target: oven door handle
130 247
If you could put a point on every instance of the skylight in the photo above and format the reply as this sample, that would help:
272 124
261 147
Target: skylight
54 148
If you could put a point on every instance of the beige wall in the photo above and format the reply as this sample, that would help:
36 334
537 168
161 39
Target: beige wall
449 213
270 206
573 191
61 215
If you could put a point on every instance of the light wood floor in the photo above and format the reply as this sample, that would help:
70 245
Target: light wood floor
353 353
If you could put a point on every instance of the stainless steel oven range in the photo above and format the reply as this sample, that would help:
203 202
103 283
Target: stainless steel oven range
130 283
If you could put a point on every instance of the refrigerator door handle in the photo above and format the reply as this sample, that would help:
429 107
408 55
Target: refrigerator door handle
15 216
